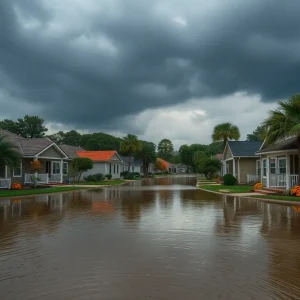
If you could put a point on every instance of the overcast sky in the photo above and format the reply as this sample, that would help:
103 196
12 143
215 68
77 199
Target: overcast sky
155 68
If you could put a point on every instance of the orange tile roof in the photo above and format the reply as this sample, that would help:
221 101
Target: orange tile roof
97 155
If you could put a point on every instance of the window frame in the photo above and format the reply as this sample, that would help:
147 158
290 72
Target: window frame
20 175
282 159
65 163
53 162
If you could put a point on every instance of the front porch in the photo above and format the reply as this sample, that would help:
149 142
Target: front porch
280 171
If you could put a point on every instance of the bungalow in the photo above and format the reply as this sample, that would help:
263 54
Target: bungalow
53 161
104 162
277 165
239 159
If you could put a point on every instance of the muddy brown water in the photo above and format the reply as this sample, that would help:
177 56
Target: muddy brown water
156 239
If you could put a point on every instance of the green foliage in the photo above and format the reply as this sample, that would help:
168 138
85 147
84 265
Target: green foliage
211 168
165 149
225 132
9 153
130 145
259 134
94 177
229 179
129 176
28 127
147 155
108 176
80 165
199 160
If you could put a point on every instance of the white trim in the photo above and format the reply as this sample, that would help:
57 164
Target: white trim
228 159
53 144
61 170
239 175
262 144
17 176
283 152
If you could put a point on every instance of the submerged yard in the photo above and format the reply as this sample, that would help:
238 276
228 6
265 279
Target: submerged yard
227 188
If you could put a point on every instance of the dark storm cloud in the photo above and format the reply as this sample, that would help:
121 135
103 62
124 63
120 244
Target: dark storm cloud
89 63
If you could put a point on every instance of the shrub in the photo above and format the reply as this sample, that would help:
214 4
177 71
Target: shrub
124 173
129 176
258 186
94 177
229 179
16 186
108 176
295 191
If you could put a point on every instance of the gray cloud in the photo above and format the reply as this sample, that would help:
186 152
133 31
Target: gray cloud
89 64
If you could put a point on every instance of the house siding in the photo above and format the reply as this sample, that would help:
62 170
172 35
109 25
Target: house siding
103 168
247 166
227 153
52 152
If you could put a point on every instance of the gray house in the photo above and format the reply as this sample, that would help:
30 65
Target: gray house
240 160
54 162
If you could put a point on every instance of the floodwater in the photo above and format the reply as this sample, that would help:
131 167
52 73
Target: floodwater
156 239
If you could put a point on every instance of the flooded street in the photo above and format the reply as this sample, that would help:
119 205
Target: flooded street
155 239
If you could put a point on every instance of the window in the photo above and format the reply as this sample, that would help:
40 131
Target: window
17 171
258 167
264 167
273 165
55 167
117 169
109 168
282 165
114 169
65 168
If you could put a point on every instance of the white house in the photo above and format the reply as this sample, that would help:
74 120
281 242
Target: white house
104 162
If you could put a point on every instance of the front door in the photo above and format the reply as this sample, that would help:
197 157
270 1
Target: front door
48 167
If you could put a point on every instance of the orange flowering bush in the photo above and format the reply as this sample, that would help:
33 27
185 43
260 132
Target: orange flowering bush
295 191
161 164
258 186
35 165
16 186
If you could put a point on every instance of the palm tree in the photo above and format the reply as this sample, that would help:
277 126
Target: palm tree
9 152
225 132
284 122
147 155
130 145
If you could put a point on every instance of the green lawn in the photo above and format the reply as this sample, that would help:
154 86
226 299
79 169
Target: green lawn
111 182
277 197
227 188
12 193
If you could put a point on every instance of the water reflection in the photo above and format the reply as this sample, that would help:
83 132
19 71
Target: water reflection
156 239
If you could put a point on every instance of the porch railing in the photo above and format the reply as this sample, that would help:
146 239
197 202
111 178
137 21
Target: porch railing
42 178
253 177
294 179
54 178
5 183
277 180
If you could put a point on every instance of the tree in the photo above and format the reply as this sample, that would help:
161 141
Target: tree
225 132
9 153
80 165
259 134
28 127
284 122
100 141
211 167
147 155
199 160
57 138
165 149
130 145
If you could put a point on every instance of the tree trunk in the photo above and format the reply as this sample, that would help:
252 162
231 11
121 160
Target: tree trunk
145 167
129 163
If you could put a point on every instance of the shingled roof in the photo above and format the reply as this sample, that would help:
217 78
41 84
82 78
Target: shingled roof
244 148
288 144
71 151
27 146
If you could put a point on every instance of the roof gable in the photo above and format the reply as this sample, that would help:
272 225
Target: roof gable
244 148
71 151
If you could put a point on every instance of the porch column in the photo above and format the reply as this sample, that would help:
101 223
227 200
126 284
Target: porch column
233 167
268 171
239 176
224 168
35 173
261 169
61 170
288 172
